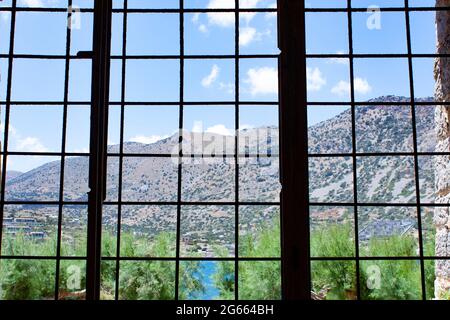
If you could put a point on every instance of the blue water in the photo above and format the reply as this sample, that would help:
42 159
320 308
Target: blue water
211 291
205 275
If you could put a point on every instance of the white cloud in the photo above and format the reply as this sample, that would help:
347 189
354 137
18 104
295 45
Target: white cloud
246 36
315 79
198 126
249 34
342 88
220 129
221 19
246 4
31 3
38 3
263 80
147 139
215 129
211 77
30 144
362 86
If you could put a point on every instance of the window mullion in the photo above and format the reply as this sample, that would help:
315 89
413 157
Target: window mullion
98 143
296 283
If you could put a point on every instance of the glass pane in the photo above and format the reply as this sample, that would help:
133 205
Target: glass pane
148 231
27 279
207 231
147 280
388 231
74 231
30 230
259 280
332 232
149 179
206 280
259 231
390 280
330 179
32 178
333 280
329 129
72 280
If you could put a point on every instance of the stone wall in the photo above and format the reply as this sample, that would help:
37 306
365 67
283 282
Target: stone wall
442 182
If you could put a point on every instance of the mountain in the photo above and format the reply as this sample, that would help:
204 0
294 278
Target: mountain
379 128
13 174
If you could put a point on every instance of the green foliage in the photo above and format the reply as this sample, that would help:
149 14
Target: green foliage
336 276
333 241
261 280
147 280
263 243
400 279
27 279
22 279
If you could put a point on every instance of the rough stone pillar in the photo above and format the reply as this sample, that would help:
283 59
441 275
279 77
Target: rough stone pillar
442 181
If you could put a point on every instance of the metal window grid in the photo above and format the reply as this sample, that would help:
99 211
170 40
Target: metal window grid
355 204
121 155
236 103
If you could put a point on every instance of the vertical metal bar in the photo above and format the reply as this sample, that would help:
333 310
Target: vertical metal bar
122 121
296 284
236 150
63 150
354 157
7 112
98 143
416 160
180 154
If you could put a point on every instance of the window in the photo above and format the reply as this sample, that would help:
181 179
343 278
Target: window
373 156
45 99
145 143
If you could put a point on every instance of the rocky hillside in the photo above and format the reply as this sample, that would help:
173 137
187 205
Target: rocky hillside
379 129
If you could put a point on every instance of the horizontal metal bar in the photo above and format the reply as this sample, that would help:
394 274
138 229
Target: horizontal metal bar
381 204
376 55
378 103
382 9
139 57
195 57
9 257
144 10
144 203
377 154
192 156
377 258
44 154
144 103
192 203
174 259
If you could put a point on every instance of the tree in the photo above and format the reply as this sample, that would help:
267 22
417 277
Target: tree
442 166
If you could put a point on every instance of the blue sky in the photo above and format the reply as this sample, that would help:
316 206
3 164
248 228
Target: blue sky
38 128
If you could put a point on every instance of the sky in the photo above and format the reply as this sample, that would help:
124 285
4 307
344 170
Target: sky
39 128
